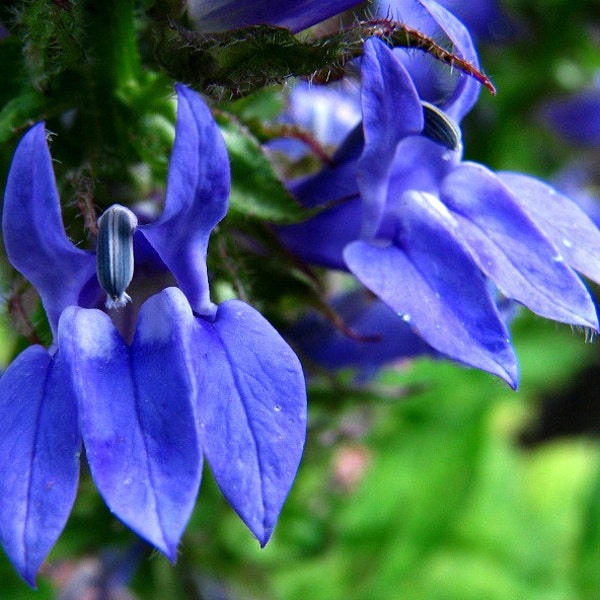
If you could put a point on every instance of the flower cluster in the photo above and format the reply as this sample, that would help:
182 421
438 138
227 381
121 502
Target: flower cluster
148 376
166 382
435 238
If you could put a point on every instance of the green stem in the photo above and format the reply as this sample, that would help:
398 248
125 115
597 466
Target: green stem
116 42
116 67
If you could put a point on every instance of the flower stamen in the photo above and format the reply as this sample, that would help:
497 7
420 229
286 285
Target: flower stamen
114 254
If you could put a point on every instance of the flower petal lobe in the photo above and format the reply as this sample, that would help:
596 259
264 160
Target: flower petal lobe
252 412
34 235
137 416
428 278
39 457
196 198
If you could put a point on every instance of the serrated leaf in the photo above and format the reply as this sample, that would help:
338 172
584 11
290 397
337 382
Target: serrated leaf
256 190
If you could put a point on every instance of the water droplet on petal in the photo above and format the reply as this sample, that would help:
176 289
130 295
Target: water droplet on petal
558 258
277 408
406 318
567 243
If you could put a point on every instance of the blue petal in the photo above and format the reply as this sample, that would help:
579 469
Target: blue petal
575 180
453 91
564 223
429 279
486 19
378 335
322 239
511 250
576 118
252 412
391 111
420 164
39 464
465 93
219 15
137 416
196 198
34 235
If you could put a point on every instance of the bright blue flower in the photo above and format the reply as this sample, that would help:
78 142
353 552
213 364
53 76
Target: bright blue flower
427 232
296 15
156 388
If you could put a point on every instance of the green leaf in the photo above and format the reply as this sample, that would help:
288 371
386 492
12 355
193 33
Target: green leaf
19 112
256 190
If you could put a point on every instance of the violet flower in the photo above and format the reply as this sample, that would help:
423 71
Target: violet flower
155 391
428 233
296 15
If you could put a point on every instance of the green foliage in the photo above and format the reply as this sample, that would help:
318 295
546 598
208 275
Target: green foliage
53 39
256 189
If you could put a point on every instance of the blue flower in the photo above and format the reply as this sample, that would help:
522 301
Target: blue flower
149 389
220 15
433 236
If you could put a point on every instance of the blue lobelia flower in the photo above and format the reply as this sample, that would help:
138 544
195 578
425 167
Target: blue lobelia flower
167 381
429 233
296 15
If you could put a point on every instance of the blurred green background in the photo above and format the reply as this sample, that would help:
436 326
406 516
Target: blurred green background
431 482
